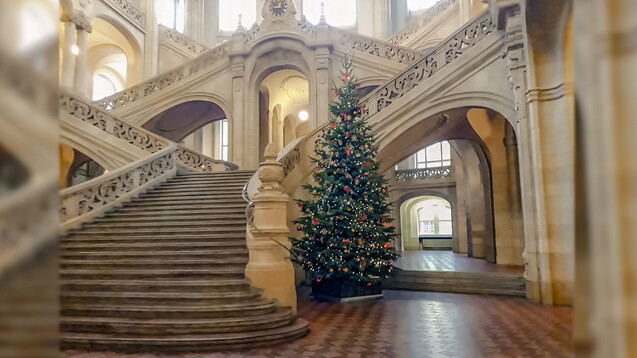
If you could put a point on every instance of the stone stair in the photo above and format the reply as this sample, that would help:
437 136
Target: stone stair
492 283
165 273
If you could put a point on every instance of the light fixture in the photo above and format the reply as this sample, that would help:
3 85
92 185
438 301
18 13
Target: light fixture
75 50
303 115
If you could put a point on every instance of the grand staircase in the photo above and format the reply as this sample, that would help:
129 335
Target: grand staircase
165 273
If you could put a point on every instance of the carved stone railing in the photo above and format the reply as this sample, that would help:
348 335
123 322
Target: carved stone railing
129 11
445 53
421 21
83 202
423 173
307 27
182 41
136 136
374 47
251 33
160 82
201 163
290 160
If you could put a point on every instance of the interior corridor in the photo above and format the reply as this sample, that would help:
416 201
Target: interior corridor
438 260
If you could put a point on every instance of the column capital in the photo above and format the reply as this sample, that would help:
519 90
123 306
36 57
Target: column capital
81 21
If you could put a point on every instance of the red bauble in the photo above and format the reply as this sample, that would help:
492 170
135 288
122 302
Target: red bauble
315 221
367 164
363 217
348 151
387 246
347 189
337 92
346 240
300 205
332 125
298 228
348 134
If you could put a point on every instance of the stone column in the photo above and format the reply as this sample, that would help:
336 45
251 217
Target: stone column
81 61
67 59
269 266
320 112
211 22
151 42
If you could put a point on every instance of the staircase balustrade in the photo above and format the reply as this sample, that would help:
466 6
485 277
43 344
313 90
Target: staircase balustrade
423 173
202 163
85 201
129 11
421 21
162 81
136 136
181 40
375 47
445 53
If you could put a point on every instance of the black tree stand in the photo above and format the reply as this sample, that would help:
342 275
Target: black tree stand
334 290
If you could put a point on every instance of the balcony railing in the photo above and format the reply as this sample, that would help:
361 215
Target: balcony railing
423 173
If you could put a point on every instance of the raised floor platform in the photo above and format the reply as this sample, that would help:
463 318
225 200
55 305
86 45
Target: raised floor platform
445 271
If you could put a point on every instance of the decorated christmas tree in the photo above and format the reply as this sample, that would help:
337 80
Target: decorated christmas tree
347 231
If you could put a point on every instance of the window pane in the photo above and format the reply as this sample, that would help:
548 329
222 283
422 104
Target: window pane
415 5
181 15
434 164
341 13
427 228
444 213
444 228
229 11
165 10
426 213
446 150
446 163
421 157
434 152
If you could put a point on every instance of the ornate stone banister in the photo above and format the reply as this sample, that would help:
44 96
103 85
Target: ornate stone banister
86 112
421 21
423 173
445 53
374 47
85 201
129 11
198 162
162 81
182 41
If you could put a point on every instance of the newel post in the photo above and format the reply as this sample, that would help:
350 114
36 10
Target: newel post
269 266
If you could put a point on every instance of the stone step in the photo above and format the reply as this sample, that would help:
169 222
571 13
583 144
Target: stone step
183 208
146 263
201 186
208 199
159 231
199 299
217 178
178 311
229 237
163 326
154 254
186 224
176 286
216 175
160 273
187 343
70 246
168 216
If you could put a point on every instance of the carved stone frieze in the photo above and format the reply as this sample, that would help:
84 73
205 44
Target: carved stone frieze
291 160
128 10
202 163
182 41
377 48
423 173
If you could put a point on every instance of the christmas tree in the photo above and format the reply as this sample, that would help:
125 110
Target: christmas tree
346 224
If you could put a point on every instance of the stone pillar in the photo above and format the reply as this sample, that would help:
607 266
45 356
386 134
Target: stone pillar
269 266
151 42
320 112
81 61
67 59
211 22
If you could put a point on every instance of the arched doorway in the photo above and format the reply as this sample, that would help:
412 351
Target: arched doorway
283 108
426 223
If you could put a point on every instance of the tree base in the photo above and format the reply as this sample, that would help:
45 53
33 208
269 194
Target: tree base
345 290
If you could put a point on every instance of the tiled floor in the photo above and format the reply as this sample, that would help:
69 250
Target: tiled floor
417 324
448 261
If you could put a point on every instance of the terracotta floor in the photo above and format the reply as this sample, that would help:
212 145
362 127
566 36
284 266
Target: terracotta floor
449 261
417 324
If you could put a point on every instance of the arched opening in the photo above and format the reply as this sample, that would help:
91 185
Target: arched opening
199 125
468 156
114 59
283 108
77 167
426 223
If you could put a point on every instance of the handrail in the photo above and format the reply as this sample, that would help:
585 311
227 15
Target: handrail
249 212
129 12
374 47
86 112
193 160
443 54
422 20
164 80
82 202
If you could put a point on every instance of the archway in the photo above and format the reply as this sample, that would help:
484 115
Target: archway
77 167
284 100
426 223
114 58
200 125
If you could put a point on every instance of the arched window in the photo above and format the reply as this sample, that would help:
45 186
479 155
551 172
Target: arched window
435 155
229 11
434 218
340 13
223 139
171 13
417 5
